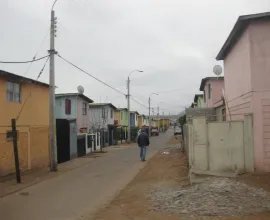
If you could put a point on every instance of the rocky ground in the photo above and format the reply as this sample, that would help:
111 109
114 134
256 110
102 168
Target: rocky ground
214 197
162 191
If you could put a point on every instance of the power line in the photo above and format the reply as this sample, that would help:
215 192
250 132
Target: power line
29 61
139 103
91 75
30 92
34 57
41 71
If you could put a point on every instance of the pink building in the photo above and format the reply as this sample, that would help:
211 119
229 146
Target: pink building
246 55
212 90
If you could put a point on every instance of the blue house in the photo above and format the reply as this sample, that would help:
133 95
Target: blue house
73 106
134 118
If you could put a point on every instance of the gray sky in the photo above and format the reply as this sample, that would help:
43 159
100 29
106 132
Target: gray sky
174 42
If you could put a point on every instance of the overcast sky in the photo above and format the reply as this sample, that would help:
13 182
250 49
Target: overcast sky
174 42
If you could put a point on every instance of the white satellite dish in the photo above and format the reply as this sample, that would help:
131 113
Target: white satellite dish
217 70
80 90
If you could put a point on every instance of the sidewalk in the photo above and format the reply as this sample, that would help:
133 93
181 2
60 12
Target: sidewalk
8 184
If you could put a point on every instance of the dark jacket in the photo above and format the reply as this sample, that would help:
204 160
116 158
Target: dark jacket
143 140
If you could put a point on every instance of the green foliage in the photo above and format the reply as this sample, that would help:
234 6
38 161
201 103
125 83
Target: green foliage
182 120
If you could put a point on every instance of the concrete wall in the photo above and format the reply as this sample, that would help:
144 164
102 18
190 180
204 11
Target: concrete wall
220 147
33 146
192 112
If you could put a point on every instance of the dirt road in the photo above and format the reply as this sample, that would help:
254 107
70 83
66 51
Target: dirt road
77 193
167 171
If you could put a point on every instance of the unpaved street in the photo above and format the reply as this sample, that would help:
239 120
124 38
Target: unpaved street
162 191
76 194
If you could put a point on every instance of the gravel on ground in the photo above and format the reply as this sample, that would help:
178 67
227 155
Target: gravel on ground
214 197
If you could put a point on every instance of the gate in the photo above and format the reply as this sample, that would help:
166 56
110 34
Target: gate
63 140
220 148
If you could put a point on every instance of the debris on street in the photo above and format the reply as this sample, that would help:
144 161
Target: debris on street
215 197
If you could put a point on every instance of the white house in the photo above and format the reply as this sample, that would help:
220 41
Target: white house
101 116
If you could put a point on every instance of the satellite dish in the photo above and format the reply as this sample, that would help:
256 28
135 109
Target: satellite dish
80 90
217 70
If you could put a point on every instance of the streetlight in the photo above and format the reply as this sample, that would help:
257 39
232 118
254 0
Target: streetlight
149 102
128 101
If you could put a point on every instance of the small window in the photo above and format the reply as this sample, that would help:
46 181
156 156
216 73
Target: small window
224 114
111 113
104 112
13 92
121 115
84 110
204 96
209 91
68 106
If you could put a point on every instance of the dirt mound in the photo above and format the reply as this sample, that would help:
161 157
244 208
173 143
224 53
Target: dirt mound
215 197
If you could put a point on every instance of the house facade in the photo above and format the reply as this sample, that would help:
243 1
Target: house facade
246 56
27 101
212 90
101 115
134 118
73 106
121 115
145 120
199 101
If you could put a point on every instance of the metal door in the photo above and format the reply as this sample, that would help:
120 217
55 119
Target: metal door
73 139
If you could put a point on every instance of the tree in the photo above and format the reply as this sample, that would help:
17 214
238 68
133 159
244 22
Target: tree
182 120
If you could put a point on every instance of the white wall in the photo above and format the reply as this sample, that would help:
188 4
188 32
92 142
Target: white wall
221 147
96 120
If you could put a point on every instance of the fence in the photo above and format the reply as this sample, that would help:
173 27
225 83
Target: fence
33 147
87 143
219 148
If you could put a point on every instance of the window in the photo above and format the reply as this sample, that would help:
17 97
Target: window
104 112
204 96
209 91
121 115
224 114
13 92
111 113
68 106
84 110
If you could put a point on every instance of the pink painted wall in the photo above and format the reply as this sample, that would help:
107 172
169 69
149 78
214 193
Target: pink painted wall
216 92
237 78
259 34
247 86
82 120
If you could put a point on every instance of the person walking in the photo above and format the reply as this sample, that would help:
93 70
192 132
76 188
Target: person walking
143 143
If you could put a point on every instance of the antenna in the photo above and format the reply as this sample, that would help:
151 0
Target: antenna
80 89
217 70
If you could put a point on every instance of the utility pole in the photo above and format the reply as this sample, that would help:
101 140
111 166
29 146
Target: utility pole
149 117
128 102
128 105
163 122
52 52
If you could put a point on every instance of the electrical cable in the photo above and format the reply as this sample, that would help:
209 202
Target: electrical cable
41 71
30 92
34 57
29 61
91 75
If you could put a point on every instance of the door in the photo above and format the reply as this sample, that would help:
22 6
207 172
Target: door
63 140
